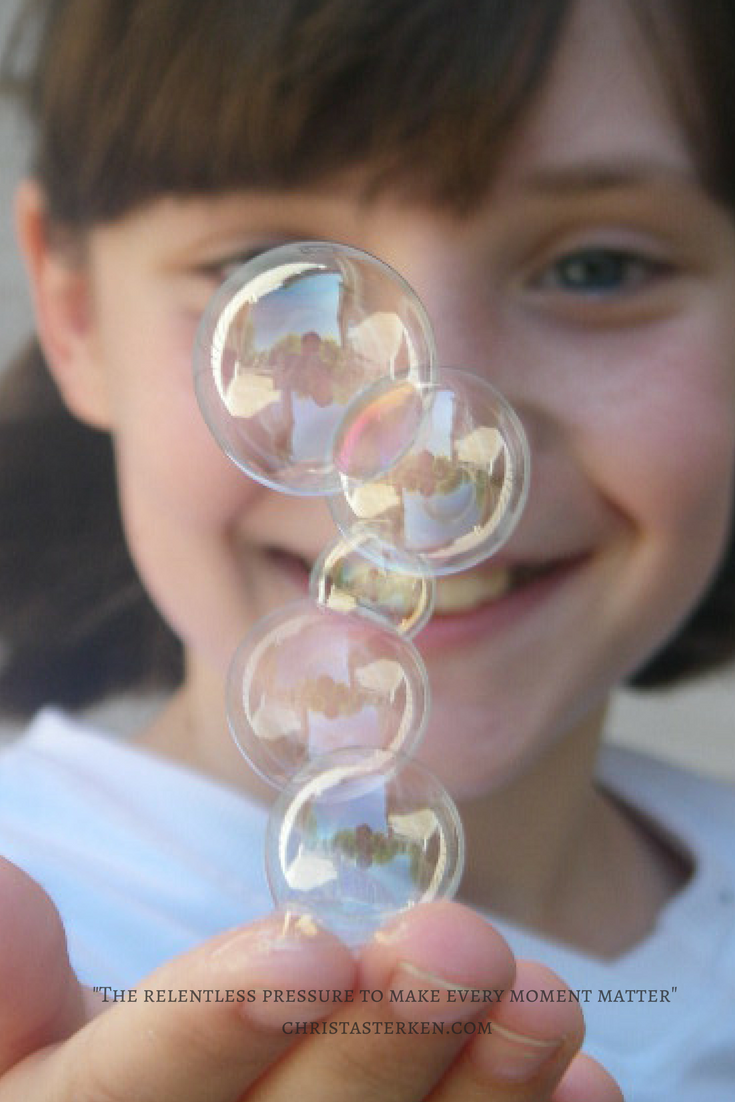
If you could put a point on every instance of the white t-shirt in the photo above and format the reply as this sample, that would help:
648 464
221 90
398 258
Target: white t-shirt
145 859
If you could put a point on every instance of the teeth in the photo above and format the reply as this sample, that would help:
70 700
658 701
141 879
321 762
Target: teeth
462 592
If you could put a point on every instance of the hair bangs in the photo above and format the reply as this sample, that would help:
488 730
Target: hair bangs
202 97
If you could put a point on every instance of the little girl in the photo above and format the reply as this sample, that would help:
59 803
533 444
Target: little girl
556 180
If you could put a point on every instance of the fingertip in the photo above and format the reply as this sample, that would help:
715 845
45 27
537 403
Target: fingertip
25 901
293 967
541 1005
31 931
438 947
533 1032
448 934
585 1080
281 932
46 1001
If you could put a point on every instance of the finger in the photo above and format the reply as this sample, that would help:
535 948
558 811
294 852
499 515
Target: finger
207 1049
41 1001
397 1048
532 1035
587 1081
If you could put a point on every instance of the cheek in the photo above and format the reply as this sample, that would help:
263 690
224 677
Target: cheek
685 452
166 453
665 455
659 430
181 501
172 460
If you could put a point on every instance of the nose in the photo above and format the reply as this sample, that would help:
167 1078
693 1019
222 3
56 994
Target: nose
455 288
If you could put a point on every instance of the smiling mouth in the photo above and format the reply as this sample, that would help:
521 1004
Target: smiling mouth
464 592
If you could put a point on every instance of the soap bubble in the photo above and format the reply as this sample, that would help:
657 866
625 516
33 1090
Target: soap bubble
460 477
359 836
307 680
378 428
358 575
287 342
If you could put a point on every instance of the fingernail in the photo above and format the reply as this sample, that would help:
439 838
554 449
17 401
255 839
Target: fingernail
293 970
393 933
293 932
280 932
513 1057
415 993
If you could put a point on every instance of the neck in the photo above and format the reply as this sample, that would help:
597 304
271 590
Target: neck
192 729
555 853
519 838
549 851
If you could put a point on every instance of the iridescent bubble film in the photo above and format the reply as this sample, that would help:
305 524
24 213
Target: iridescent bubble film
360 576
378 428
359 836
307 680
288 341
455 493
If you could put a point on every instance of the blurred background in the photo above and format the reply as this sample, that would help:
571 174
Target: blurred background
693 726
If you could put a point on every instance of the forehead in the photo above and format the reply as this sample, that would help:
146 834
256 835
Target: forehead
603 105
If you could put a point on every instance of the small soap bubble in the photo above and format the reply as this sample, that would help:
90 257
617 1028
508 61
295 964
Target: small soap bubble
455 494
307 680
359 836
288 341
358 575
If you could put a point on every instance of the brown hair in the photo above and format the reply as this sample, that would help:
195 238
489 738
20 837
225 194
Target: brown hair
136 98
132 99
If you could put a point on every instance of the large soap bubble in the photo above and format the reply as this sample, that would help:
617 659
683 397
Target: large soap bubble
288 341
307 680
359 836
457 478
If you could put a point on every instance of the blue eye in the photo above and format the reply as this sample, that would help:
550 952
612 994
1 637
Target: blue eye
599 271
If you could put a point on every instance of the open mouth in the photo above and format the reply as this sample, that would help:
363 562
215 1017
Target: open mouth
456 593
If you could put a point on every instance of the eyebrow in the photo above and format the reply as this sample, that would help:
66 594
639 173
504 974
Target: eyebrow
596 176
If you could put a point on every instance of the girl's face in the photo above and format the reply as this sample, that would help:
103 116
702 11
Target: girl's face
595 287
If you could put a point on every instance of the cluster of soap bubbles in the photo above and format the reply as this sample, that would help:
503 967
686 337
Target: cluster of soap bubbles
315 369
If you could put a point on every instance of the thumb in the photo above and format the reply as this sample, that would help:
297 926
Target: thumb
41 1001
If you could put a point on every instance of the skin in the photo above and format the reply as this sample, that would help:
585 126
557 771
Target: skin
595 287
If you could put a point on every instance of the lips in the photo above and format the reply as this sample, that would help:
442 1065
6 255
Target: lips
457 593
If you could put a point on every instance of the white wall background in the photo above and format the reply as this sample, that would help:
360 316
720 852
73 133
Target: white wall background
14 305
694 726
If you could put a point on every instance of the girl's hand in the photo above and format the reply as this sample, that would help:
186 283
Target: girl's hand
60 1044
